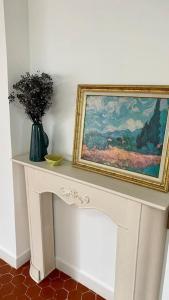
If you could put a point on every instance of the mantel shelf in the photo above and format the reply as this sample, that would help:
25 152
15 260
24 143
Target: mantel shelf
130 191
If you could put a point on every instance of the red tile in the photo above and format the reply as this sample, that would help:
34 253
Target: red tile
2 263
16 271
10 297
44 283
20 290
6 289
47 292
55 274
64 276
88 296
29 282
18 279
39 298
5 269
57 284
81 288
18 285
25 270
33 291
23 297
75 295
61 294
70 285
5 278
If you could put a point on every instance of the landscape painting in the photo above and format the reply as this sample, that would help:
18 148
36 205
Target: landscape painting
125 133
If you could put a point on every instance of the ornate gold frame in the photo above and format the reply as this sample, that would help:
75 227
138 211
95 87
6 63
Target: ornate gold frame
140 89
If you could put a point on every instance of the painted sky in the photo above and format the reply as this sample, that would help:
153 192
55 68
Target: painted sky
110 113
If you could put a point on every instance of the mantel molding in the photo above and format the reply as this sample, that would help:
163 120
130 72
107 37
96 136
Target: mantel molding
138 212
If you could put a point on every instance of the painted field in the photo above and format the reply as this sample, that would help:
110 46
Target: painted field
123 159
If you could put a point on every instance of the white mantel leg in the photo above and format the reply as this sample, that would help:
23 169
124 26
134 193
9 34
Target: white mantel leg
126 257
152 239
140 252
40 213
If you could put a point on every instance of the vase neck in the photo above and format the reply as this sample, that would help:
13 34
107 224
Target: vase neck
36 124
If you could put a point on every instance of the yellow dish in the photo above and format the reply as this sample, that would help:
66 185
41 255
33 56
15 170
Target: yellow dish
54 159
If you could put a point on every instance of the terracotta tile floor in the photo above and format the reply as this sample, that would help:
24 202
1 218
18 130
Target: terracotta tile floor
18 285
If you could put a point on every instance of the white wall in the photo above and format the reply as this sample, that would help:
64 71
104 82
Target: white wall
124 42
7 217
17 40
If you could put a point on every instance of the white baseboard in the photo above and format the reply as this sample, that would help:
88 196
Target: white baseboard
12 260
8 257
23 258
86 279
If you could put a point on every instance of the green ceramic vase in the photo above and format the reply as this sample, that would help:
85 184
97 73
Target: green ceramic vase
39 143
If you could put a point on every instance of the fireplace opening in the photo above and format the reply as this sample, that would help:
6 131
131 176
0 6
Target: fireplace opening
85 246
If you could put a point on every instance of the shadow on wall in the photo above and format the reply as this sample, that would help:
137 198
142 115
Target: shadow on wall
67 235
59 121
21 215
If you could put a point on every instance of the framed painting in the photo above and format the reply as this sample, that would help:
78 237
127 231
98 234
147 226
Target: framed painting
123 132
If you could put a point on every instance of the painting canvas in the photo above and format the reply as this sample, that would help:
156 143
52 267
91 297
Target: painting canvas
124 134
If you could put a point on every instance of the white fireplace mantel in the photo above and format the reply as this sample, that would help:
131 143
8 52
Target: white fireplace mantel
140 214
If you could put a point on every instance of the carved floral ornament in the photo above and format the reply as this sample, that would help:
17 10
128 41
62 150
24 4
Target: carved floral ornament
74 197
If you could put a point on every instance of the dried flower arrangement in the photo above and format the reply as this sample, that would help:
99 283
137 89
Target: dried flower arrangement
34 92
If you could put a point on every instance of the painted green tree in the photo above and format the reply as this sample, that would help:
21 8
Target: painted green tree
151 131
